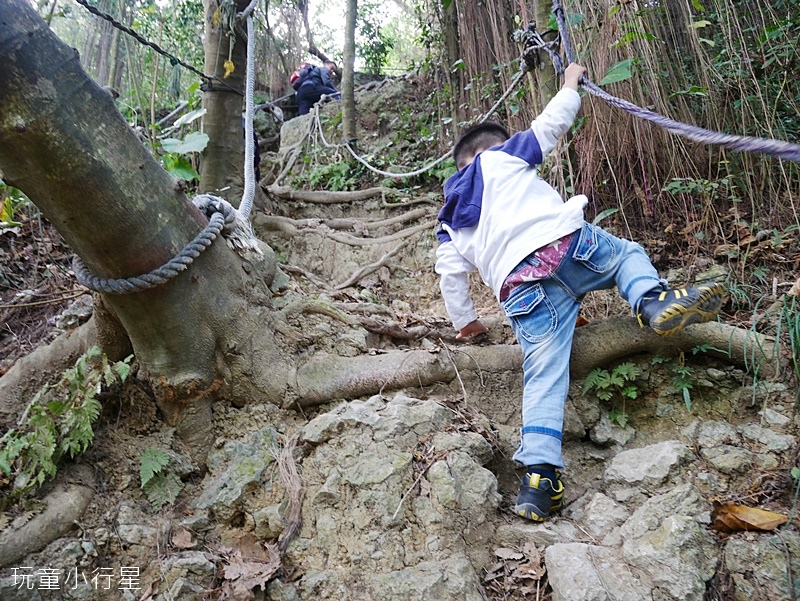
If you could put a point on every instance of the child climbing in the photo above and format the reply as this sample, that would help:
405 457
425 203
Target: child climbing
540 258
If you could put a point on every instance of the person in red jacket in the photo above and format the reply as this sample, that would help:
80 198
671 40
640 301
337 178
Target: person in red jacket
317 83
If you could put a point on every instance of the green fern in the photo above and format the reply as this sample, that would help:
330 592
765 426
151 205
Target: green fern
160 486
58 421
151 463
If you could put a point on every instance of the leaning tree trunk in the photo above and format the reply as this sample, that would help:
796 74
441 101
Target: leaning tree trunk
547 77
222 162
348 94
453 50
64 143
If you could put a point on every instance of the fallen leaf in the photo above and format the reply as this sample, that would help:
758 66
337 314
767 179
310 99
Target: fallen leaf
504 553
733 518
182 539
150 591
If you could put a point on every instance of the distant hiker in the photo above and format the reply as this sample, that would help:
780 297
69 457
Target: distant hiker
540 258
316 83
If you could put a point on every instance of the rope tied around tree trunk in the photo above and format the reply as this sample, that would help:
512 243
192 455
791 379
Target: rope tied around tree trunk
777 148
222 218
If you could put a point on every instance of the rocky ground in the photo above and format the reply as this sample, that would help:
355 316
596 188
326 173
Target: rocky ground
408 494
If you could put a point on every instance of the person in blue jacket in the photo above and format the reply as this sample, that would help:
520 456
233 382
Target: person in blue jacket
315 85
540 257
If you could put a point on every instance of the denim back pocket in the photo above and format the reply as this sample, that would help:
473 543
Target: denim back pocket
531 313
595 249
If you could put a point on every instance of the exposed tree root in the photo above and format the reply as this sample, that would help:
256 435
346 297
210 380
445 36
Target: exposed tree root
371 268
65 505
357 241
43 365
325 197
296 491
327 377
293 227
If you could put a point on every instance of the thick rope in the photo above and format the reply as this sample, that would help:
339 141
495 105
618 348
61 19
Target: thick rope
776 148
514 82
222 215
249 152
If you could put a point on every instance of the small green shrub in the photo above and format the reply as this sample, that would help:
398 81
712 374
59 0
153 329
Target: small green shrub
618 384
58 421
160 486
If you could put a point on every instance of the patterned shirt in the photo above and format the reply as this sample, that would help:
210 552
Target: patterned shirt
539 265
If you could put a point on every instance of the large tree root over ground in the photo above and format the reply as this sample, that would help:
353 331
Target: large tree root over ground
40 367
65 505
328 377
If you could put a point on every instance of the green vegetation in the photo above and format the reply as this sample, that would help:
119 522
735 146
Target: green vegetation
161 486
58 421
618 385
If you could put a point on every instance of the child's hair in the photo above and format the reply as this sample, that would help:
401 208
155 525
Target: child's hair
480 136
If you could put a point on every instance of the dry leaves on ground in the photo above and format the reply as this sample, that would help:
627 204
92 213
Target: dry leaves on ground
730 517
519 574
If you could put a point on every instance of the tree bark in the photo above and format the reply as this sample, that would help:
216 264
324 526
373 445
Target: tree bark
222 161
548 83
453 50
348 94
64 143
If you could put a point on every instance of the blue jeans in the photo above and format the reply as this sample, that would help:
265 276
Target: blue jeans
309 93
543 314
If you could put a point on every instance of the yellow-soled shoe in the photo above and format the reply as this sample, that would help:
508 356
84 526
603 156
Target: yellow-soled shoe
669 311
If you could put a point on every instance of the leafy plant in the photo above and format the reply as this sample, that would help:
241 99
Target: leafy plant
334 176
160 486
11 200
682 380
617 384
58 420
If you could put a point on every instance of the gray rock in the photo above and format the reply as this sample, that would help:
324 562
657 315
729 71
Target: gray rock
374 468
679 557
132 531
388 420
581 572
769 582
15 586
710 483
771 441
77 313
728 459
329 494
269 522
682 500
714 433
281 591
185 590
573 428
774 419
602 515
197 522
648 466
460 483
452 579
471 443
664 539
606 432
520 532
222 492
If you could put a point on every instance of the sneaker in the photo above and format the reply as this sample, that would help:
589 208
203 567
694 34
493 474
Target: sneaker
667 312
539 496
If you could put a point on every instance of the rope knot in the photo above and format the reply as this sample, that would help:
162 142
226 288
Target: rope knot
237 231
